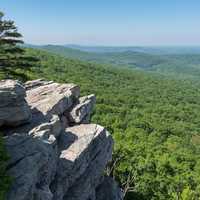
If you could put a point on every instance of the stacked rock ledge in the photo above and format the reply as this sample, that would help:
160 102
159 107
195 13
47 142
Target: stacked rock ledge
55 153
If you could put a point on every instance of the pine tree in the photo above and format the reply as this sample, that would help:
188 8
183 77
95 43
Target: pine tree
11 54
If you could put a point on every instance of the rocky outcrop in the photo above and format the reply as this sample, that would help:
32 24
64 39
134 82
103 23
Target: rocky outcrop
58 155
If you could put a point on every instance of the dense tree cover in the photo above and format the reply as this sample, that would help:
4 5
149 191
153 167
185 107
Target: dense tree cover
155 123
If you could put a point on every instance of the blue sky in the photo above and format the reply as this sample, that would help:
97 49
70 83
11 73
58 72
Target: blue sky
106 22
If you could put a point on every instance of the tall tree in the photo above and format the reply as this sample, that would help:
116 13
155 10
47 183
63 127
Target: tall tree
11 54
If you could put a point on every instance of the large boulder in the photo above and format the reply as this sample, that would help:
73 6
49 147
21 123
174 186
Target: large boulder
14 109
84 152
46 99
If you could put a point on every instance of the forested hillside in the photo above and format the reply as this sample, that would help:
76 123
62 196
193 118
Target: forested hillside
177 64
154 120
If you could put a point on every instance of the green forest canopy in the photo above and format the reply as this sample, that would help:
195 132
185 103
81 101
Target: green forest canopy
155 122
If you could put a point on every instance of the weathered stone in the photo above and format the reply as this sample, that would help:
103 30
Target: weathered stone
82 110
85 151
33 166
52 98
14 110
109 190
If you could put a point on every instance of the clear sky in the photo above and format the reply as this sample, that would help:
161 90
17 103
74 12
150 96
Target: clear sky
106 22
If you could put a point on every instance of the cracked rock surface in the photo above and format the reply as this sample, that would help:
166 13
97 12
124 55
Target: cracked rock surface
55 153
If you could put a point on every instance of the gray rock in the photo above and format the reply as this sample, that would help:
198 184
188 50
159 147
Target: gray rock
46 99
33 166
109 190
53 127
14 110
82 110
85 151
51 98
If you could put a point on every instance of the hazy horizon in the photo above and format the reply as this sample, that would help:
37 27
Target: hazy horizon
115 45
106 23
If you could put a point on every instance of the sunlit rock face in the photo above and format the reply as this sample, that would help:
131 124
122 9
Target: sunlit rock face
56 154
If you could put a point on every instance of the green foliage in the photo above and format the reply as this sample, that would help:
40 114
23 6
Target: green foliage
9 38
155 122
186 194
5 180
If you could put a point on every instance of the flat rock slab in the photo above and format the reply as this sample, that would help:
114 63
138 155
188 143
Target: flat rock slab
51 98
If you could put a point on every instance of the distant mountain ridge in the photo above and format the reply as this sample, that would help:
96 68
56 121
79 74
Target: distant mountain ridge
158 50
181 65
